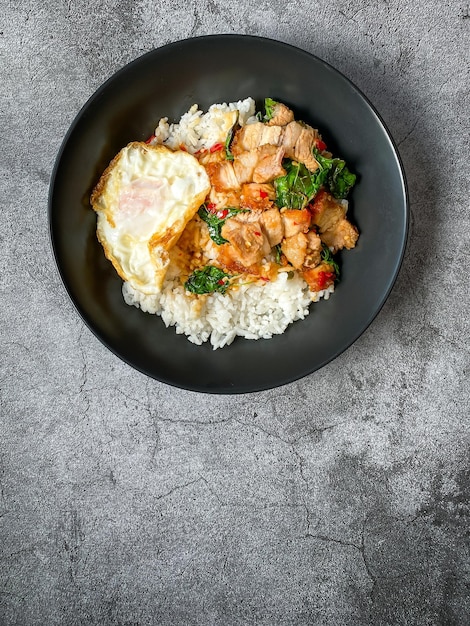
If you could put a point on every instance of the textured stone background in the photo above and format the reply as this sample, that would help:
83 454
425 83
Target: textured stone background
339 500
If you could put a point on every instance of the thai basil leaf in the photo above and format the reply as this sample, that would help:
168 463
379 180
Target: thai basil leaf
339 179
277 253
298 186
208 280
228 141
215 221
327 257
269 105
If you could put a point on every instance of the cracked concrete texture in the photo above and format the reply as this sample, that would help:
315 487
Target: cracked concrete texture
339 499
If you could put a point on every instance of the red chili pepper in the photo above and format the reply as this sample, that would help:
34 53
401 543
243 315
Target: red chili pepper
221 282
211 206
216 147
257 233
263 194
321 145
323 278
151 138
222 214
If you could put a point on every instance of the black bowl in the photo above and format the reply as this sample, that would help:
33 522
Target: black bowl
225 68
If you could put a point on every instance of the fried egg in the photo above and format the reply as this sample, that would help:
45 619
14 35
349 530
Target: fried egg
143 200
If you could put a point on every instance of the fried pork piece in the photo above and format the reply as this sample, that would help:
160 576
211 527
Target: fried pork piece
257 195
244 165
252 136
295 221
294 249
301 246
269 164
222 199
330 217
206 156
296 138
320 277
314 250
222 176
282 115
261 165
341 235
250 244
326 211
271 222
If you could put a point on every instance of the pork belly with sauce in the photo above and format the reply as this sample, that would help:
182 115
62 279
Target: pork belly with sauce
320 277
282 115
295 221
261 165
252 136
295 138
273 226
329 216
269 165
294 248
248 240
257 195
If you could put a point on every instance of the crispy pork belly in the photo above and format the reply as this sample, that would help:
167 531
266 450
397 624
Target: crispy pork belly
222 176
329 215
303 148
295 221
252 136
273 226
257 195
249 243
269 164
320 277
244 165
294 249
222 199
297 140
341 235
326 211
282 115
314 249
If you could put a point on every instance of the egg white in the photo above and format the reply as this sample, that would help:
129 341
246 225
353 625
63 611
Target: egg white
144 200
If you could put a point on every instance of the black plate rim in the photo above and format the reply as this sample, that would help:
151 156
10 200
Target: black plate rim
287 379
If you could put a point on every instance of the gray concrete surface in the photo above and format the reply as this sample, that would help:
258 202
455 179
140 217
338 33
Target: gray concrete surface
338 500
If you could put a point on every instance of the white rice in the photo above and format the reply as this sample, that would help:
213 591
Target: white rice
253 311
197 130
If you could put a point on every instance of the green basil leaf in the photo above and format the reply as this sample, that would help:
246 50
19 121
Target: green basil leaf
228 141
327 257
339 179
209 279
298 186
277 253
215 221
269 105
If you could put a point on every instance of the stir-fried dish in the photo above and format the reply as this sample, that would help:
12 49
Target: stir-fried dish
276 204
227 223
